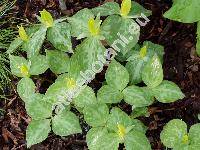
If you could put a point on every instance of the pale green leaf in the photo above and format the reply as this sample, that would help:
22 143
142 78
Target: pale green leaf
14 45
137 96
59 35
65 123
85 98
58 61
120 33
108 94
136 140
19 66
39 64
118 117
38 107
194 135
152 74
186 11
137 9
167 92
96 115
173 133
37 131
26 89
117 76
79 23
109 8
34 45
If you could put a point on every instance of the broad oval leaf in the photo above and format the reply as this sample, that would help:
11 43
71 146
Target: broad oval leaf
96 115
59 35
38 107
79 23
58 61
152 74
136 96
118 118
14 45
117 76
137 10
108 94
123 36
85 98
109 8
37 131
167 92
35 43
173 133
26 89
39 65
186 11
194 136
136 140
19 66
65 123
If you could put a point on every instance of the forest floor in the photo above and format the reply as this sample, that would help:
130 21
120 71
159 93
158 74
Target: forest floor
181 66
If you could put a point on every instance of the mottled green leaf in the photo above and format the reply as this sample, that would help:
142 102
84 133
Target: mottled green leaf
136 140
58 61
152 74
108 94
79 23
37 131
85 98
14 45
35 43
173 133
109 8
59 35
140 111
194 135
136 96
120 33
117 76
65 123
38 107
39 65
118 117
26 89
96 115
167 92
137 9
19 66
186 11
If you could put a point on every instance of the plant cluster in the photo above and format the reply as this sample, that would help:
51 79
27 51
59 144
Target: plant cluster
186 11
110 126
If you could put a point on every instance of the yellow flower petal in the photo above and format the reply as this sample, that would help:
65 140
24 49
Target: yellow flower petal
125 7
121 131
185 139
143 52
22 34
24 71
71 83
94 26
46 18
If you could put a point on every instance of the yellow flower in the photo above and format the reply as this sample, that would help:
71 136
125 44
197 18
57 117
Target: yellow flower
125 8
94 26
121 131
24 70
71 83
22 34
143 52
46 18
185 139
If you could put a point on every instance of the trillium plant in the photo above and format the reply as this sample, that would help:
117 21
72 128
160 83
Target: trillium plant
54 112
186 11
